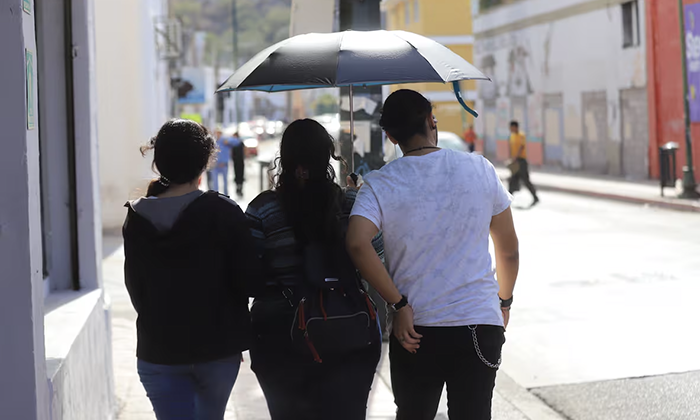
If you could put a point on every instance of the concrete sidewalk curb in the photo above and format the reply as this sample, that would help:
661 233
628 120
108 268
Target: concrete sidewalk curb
670 205
627 199
522 400
529 404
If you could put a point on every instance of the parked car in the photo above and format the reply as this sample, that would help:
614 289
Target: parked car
446 140
244 130
251 146
331 122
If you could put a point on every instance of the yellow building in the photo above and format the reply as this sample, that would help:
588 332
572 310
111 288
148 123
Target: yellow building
448 22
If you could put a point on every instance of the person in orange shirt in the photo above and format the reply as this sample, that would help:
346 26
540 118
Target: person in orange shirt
470 138
518 153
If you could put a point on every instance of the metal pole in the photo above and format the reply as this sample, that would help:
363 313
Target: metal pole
234 18
352 132
689 186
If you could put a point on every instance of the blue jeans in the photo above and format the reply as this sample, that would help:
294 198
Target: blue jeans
223 171
190 392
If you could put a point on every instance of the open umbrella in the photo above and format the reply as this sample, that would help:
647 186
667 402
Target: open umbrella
352 58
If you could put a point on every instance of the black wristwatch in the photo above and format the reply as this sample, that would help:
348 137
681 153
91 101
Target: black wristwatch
505 303
395 307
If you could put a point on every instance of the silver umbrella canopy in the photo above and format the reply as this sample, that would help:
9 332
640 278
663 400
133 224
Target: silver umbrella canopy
352 58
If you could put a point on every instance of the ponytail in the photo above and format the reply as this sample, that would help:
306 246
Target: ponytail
182 150
157 187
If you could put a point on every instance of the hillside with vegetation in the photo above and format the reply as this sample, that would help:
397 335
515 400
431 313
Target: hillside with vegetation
261 23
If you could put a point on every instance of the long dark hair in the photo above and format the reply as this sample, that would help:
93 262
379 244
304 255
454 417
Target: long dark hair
182 150
306 183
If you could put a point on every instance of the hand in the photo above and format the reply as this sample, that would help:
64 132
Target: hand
351 183
403 329
506 316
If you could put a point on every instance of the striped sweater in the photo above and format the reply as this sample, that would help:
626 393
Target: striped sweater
275 241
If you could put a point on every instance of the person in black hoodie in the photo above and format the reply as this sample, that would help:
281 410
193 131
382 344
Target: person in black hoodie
189 258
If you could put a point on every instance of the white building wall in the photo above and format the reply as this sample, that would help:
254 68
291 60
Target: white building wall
309 16
535 50
23 382
55 351
133 90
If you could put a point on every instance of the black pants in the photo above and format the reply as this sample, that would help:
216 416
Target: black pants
297 388
523 175
446 356
238 157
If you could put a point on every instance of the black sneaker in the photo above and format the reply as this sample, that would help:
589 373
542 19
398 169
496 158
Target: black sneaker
535 201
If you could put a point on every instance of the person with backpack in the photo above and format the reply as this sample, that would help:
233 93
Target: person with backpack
317 342
189 260
436 208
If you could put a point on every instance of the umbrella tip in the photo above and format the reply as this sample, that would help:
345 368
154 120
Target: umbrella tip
458 94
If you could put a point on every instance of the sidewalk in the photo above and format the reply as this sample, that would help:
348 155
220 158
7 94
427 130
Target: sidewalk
510 402
247 401
646 192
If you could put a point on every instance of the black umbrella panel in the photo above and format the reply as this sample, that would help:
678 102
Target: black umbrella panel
353 58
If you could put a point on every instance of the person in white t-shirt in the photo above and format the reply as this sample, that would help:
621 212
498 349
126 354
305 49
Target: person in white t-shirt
436 208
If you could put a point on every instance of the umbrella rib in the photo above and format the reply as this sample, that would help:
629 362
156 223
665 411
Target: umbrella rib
337 58
419 53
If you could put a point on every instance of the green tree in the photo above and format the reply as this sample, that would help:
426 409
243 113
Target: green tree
261 23
326 104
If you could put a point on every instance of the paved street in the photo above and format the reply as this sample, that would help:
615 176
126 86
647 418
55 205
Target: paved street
605 294
606 291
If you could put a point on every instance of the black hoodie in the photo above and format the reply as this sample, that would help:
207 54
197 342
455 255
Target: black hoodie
189 283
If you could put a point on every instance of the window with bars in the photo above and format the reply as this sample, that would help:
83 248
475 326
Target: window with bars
56 146
630 24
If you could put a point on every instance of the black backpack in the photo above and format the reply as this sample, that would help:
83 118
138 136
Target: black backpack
335 315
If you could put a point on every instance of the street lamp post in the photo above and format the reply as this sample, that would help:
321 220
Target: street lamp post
234 18
689 186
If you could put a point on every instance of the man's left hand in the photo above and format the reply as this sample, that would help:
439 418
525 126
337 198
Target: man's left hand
404 331
506 316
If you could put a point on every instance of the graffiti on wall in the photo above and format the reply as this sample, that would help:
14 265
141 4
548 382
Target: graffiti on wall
488 91
510 92
518 75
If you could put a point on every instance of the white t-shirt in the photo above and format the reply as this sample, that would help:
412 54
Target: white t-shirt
435 212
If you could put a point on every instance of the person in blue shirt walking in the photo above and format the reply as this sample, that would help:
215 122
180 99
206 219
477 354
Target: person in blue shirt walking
224 144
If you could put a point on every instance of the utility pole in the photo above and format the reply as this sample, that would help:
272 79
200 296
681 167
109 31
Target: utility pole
689 186
361 15
234 18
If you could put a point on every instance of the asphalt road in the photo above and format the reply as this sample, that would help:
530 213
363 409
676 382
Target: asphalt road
606 292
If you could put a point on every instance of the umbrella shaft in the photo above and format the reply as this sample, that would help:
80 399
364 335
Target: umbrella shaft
352 132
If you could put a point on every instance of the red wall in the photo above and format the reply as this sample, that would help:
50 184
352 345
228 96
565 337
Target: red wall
665 86
535 154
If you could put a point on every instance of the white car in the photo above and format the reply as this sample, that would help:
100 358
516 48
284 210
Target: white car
446 140
331 122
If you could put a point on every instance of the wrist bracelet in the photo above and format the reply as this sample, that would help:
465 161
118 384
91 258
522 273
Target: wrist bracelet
506 303
395 307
